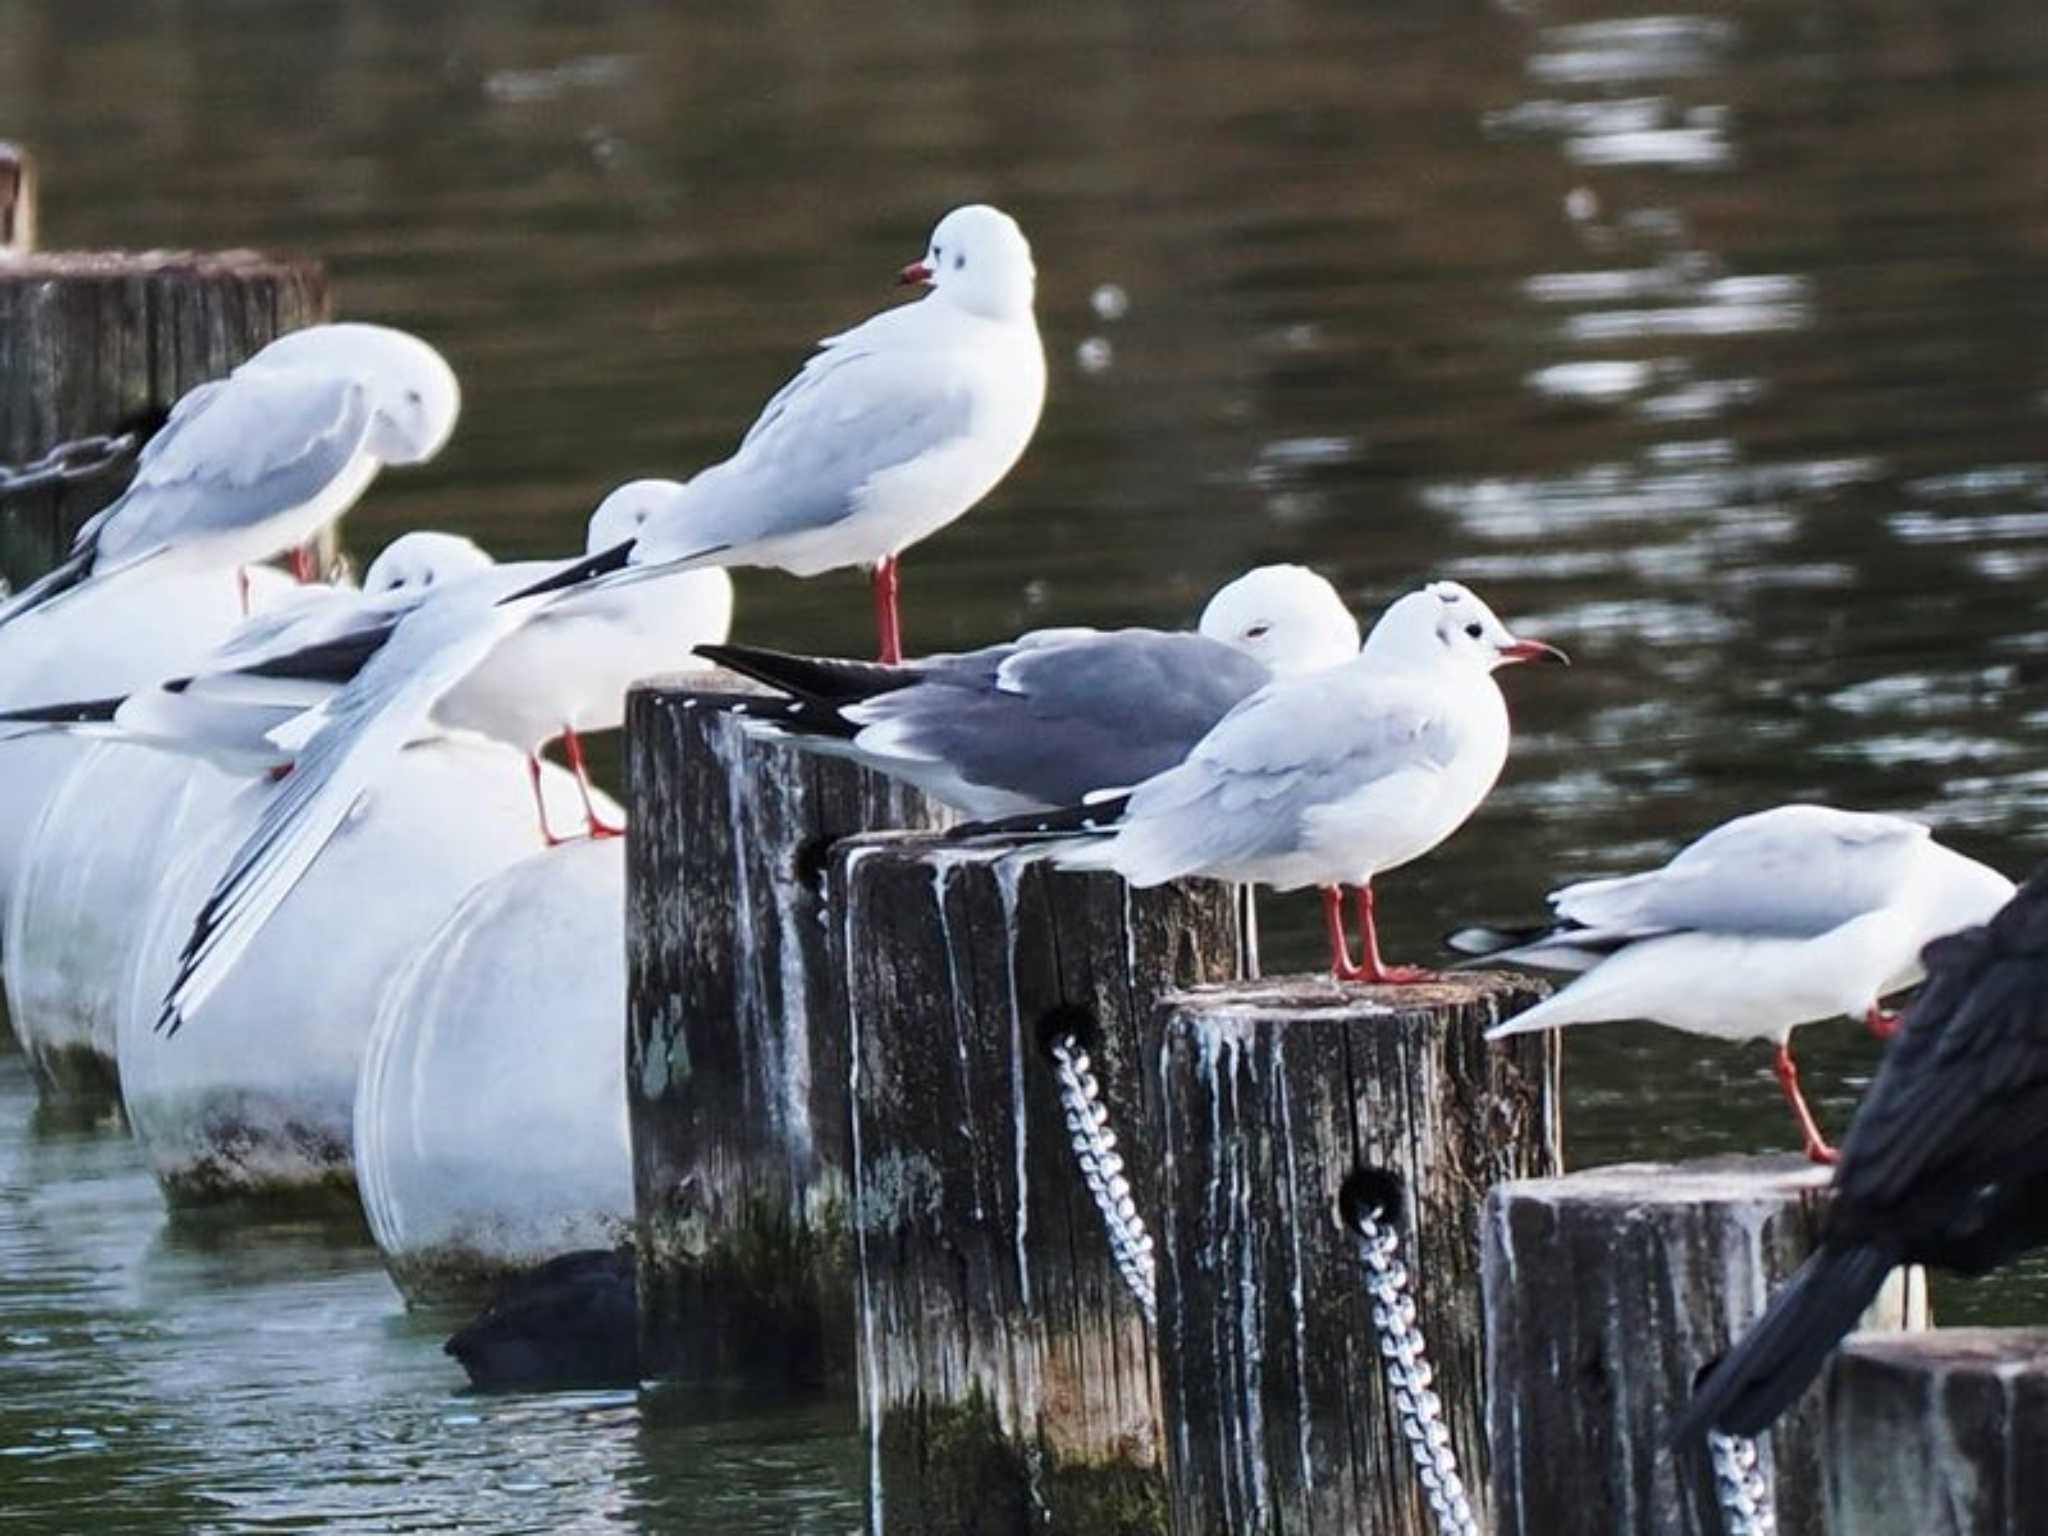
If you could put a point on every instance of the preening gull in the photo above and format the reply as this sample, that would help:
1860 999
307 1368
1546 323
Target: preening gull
891 431
1327 779
342 747
1056 715
257 463
1770 921
1946 1162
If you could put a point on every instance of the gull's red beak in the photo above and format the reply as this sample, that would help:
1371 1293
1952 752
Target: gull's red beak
1534 650
916 272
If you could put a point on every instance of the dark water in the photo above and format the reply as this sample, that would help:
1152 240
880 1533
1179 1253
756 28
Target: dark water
1712 345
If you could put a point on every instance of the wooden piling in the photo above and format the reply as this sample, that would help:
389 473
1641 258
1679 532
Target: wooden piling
101 342
1278 1418
17 202
735 1039
1606 1292
1008 1378
1938 1434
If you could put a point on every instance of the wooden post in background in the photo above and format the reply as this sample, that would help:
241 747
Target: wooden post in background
1606 1292
1278 1418
1938 1434
1008 1379
735 1076
99 342
17 202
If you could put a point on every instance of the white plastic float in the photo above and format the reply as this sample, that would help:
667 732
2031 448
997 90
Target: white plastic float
110 831
490 1130
97 648
255 1096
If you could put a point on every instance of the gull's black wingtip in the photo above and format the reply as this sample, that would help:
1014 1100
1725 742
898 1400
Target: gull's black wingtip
603 563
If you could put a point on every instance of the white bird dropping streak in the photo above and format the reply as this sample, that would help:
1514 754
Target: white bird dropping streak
1008 872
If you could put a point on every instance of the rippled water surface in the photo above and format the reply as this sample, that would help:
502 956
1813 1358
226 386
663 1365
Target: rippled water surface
1712 345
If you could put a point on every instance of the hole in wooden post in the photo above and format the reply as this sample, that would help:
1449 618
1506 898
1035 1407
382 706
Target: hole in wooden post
1370 1194
1064 1020
811 860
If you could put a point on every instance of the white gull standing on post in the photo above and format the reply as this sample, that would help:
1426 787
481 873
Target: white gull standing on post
1329 779
1056 715
255 464
1770 921
891 431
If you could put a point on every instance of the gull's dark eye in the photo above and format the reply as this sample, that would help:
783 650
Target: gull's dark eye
412 397
1257 632
1474 630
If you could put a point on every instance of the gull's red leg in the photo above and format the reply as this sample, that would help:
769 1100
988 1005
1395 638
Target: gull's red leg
540 801
242 586
1372 967
573 745
1817 1149
305 564
888 623
1340 947
1882 1022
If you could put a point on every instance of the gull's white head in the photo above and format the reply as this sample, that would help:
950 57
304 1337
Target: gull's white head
419 562
979 260
1446 622
414 396
625 511
1285 616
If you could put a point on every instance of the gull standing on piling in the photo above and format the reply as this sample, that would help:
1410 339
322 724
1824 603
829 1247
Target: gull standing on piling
1056 715
588 643
1328 779
255 464
1770 921
1946 1162
891 431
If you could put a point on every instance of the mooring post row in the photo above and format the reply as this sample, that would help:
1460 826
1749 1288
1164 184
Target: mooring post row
1606 1292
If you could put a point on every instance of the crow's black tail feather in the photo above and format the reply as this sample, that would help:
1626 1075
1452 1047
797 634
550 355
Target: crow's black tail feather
1786 1347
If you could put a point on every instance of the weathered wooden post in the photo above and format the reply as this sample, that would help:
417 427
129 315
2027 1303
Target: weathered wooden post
1938 1434
1273 1094
1606 1292
101 342
17 202
735 1038
1008 1376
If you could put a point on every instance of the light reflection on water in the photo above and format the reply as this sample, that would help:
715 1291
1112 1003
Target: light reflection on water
1708 344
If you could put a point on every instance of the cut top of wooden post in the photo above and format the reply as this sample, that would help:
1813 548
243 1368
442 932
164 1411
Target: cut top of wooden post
1938 1432
17 202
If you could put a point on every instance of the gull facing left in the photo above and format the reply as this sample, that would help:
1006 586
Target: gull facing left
891 431
1329 779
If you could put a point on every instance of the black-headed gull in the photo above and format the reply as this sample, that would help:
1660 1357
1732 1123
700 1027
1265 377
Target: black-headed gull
257 463
1770 921
1946 1162
1327 779
891 431
1056 715
597 640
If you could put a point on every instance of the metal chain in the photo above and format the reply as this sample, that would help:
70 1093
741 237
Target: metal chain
83 458
1409 1374
1102 1170
1741 1487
